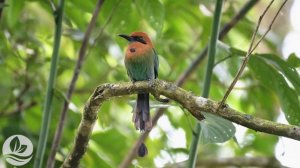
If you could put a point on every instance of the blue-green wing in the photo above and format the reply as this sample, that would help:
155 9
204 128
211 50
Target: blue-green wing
156 64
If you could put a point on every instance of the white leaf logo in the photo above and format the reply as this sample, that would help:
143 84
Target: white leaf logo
17 150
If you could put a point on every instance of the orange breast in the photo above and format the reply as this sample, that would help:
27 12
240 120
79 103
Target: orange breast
137 49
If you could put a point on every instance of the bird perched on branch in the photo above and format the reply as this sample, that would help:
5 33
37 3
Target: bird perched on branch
141 62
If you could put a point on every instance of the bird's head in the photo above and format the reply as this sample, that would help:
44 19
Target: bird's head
138 37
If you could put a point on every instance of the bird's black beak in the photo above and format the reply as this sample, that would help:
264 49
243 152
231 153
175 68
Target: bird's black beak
128 38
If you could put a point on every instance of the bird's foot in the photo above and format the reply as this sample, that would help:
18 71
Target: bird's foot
150 82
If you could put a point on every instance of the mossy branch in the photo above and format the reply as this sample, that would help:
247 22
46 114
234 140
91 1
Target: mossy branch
194 104
242 161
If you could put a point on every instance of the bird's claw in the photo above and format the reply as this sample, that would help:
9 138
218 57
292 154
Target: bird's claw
150 82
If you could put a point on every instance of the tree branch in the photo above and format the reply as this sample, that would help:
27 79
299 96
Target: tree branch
225 29
19 109
81 56
252 48
233 162
183 77
194 104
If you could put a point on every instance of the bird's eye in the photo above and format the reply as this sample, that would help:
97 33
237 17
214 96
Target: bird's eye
141 39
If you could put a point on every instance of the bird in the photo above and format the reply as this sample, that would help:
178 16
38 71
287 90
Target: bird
141 62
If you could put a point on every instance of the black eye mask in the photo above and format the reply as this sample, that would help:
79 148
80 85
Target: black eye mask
139 39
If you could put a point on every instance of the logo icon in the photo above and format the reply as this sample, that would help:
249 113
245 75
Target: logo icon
17 150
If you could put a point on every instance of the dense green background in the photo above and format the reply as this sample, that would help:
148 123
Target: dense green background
179 31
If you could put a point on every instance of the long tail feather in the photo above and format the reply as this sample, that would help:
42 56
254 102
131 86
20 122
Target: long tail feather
142 150
141 116
141 119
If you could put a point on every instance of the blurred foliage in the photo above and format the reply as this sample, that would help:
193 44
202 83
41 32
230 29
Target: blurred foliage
179 29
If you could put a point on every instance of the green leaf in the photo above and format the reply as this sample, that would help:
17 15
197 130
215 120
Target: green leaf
153 12
272 79
13 12
15 144
223 49
179 150
5 85
164 66
120 16
87 6
293 60
112 142
289 72
92 159
59 95
215 129
237 52
263 143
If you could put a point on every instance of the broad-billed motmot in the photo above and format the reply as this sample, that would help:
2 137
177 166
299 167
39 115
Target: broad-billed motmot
141 62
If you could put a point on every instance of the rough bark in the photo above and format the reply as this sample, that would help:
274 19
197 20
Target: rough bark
194 104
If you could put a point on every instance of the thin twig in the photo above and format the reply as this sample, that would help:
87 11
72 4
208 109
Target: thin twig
251 49
183 77
16 99
18 110
270 26
81 56
226 28
194 104
99 34
224 59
